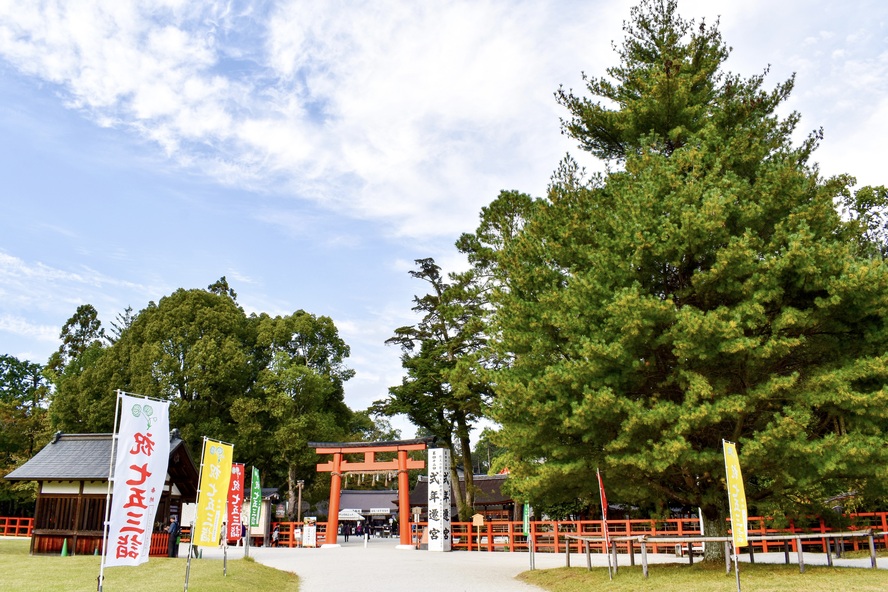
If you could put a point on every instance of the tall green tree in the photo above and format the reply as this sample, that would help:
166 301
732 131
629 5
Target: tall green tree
298 396
23 427
445 390
705 289
82 331
193 348
81 401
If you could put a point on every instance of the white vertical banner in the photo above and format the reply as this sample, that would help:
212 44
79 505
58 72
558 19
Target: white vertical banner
140 470
439 499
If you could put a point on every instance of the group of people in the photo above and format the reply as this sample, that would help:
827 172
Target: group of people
346 530
174 529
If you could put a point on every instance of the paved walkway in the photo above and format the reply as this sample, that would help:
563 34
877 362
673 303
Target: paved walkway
380 566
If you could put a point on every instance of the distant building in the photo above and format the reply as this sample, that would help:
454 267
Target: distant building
379 508
72 486
490 501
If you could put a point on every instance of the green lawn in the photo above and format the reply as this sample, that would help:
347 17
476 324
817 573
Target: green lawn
710 578
22 572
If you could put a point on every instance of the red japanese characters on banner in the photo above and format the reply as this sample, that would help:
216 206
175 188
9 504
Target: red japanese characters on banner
143 448
235 501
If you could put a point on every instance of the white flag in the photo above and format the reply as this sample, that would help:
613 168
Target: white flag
143 453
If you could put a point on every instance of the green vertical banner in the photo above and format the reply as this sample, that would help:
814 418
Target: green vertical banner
525 527
255 498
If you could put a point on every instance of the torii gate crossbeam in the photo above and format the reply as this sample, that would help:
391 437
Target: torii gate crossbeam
339 466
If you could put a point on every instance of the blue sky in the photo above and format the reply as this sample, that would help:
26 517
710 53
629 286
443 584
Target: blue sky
310 151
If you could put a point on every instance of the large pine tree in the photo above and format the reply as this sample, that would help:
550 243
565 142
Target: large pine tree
704 289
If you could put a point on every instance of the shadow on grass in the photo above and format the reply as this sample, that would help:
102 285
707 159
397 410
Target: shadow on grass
21 572
706 577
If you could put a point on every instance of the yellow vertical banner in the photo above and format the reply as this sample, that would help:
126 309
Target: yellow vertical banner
736 495
215 474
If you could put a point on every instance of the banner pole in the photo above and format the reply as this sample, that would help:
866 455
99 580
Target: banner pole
603 499
191 538
736 503
108 494
737 567
247 528
225 542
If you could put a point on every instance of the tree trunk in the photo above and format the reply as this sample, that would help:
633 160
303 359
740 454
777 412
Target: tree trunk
467 472
291 491
715 523
457 490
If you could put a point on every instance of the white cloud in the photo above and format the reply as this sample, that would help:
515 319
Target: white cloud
21 326
407 112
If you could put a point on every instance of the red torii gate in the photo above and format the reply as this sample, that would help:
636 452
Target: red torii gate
340 466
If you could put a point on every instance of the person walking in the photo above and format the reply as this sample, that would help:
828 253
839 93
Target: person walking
276 535
173 529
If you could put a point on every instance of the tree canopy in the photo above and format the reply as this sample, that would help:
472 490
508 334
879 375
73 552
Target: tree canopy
268 385
444 390
706 288
23 427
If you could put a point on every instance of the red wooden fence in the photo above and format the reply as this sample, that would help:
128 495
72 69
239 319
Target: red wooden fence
549 535
16 527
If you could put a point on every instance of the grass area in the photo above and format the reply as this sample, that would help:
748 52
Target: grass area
704 577
20 572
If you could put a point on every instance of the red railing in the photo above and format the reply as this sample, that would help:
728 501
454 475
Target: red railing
16 527
549 536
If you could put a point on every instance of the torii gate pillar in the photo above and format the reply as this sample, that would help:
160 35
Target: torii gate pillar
340 466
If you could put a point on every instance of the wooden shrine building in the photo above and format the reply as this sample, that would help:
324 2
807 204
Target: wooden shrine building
72 486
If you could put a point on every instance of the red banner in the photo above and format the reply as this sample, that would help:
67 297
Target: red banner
235 502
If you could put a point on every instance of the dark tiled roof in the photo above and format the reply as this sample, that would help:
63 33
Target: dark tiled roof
488 490
364 500
75 457
69 457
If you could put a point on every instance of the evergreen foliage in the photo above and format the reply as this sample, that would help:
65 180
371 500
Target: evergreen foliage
444 391
706 288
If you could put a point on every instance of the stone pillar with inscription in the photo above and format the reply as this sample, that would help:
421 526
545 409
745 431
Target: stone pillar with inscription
439 499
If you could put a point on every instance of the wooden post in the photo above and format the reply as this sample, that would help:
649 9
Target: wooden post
690 553
614 554
335 487
631 553
801 555
872 546
751 552
786 551
403 499
644 558
588 555
566 551
727 558
829 559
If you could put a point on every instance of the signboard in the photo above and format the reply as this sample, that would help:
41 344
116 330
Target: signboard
439 500
525 525
736 495
140 469
380 511
255 498
215 475
310 533
235 502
